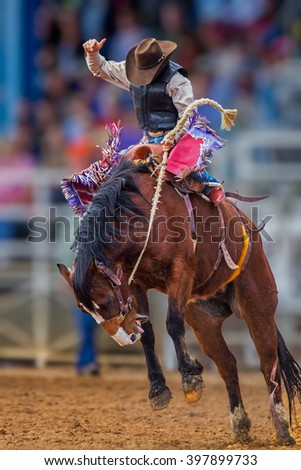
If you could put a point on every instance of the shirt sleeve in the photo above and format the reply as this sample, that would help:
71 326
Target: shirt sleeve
180 90
113 72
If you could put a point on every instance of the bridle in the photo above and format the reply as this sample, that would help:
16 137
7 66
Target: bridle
111 326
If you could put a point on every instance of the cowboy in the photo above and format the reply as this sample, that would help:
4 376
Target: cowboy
160 89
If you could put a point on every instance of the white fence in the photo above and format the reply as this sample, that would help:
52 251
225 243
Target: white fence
36 320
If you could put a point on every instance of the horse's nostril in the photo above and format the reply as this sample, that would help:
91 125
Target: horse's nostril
133 337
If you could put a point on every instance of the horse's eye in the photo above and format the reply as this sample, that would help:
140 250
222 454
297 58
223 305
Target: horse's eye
105 305
108 304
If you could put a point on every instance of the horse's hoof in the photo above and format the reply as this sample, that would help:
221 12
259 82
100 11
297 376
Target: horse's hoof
240 425
283 436
285 440
193 388
241 436
161 401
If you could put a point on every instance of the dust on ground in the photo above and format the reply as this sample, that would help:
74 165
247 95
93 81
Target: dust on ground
55 409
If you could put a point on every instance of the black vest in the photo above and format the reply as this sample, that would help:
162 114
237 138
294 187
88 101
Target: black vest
154 108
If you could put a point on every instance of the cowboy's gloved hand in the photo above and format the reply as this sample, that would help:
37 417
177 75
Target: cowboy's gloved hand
92 45
167 146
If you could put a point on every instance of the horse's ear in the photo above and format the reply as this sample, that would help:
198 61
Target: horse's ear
93 265
65 272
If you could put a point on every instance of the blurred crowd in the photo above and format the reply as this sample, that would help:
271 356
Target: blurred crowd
236 53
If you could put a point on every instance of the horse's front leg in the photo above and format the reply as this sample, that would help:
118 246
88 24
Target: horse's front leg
159 394
189 368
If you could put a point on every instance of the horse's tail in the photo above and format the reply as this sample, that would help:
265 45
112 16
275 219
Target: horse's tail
291 375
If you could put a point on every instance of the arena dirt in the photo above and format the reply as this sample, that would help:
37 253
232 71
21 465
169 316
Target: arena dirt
55 409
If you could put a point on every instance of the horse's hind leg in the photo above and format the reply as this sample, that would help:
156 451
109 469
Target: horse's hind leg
257 301
206 319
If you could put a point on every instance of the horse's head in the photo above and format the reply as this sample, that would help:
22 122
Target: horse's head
109 302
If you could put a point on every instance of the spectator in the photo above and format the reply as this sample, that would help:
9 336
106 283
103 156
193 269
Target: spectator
86 362
14 158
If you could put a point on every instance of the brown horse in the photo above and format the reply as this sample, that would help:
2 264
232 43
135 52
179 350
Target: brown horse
223 271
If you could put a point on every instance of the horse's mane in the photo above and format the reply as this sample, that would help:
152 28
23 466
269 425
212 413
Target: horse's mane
98 230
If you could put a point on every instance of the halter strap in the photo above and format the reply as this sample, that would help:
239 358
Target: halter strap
112 325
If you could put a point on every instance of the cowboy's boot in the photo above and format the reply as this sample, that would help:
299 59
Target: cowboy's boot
216 195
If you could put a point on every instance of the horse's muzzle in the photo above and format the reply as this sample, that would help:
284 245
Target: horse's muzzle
124 339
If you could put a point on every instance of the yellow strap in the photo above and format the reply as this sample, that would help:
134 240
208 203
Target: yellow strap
240 263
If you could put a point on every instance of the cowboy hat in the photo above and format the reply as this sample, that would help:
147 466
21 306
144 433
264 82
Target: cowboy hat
145 60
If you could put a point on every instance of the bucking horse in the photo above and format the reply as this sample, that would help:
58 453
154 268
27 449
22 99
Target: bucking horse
210 263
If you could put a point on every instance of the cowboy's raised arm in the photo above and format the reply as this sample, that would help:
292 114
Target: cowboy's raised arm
113 72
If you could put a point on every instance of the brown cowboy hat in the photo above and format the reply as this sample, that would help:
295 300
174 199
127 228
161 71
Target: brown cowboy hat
146 59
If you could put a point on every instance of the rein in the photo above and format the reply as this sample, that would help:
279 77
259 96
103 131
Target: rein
112 324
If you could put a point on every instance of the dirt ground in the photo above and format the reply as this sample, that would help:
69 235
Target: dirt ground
55 409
